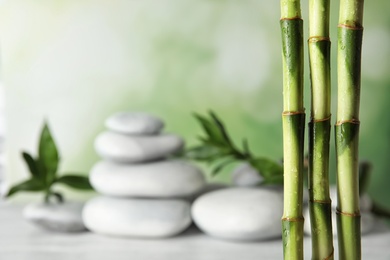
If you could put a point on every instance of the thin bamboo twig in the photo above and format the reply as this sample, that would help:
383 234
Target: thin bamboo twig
319 130
293 128
350 33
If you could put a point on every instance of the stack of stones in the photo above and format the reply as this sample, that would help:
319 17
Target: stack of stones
144 194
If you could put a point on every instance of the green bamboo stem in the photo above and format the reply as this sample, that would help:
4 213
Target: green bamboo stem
320 203
319 130
350 32
293 128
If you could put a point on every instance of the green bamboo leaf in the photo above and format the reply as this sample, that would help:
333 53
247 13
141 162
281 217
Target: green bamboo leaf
245 147
206 141
32 165
29 185
221 127
75 181
211 142
271 171
274 180
48 154
202 153
211 129
221 165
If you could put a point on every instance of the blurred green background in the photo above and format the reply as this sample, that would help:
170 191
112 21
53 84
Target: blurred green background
76 62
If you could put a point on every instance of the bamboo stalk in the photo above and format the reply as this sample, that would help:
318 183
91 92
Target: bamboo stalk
293 128
350 32
319 130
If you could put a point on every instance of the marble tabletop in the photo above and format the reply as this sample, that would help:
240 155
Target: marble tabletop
20 240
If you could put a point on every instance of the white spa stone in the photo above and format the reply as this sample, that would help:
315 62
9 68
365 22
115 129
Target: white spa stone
244 175
145 218
161 179
211 187
243 214
134 123
134 149
60 217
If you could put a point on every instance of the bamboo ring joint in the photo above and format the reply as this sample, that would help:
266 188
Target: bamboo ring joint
291 113
321 120
291 18
314 39
322 201
352 121
330 256
338 212
356 28
299 219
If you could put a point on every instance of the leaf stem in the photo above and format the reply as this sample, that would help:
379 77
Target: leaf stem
58 196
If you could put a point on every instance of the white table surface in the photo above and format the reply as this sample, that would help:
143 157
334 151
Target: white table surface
20 240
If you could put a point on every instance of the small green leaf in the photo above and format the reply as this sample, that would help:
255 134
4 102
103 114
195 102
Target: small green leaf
221 165
211 130
29 185
32 165
75 181
271 171
48 154
245 146
277 179
221 127
202 153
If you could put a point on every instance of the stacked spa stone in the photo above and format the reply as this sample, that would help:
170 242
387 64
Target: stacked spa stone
144 194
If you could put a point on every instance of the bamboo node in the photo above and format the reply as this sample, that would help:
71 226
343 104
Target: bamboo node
321 201
290 113
330 256
321 120
338 212
356 28
352 121
291 18
298 219
318 39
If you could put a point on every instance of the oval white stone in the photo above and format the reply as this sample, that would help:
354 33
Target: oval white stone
173 178
246 176
133 149
145 218
244 214
61 217
134 123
